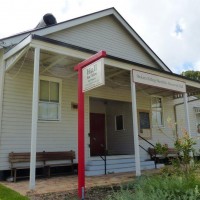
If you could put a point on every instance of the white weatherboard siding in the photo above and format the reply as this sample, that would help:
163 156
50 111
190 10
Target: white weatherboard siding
61 135
193 121
16 124
106 34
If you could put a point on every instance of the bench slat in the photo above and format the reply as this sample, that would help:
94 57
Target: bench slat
24 157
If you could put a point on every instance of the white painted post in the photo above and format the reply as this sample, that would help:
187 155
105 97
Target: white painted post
2 80
34 117
187 119
135 127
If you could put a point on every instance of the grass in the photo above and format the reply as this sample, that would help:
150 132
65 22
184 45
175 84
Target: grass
160 187
8 194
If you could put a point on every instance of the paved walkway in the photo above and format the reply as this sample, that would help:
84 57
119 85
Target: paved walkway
68 183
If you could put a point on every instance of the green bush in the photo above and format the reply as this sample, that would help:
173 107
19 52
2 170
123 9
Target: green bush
161 187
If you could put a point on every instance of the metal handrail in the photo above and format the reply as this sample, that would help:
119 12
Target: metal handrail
146 141
105 154
155 162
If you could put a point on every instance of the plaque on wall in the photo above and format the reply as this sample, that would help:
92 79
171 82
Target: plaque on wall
144 124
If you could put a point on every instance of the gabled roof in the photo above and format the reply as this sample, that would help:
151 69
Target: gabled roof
12 40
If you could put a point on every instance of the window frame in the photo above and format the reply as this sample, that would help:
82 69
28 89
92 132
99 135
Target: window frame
154 109
59 81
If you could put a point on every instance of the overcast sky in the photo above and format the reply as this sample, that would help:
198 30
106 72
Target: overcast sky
170 27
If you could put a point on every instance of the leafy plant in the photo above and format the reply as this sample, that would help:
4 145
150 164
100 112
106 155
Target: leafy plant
161 149
161 187
184 145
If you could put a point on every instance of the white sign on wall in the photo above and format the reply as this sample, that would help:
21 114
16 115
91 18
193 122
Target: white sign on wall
158 81
93 75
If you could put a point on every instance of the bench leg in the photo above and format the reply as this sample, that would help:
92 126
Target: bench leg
15 175
11 173
48 171
72 168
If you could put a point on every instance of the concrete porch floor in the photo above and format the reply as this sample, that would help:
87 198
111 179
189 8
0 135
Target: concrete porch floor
70 183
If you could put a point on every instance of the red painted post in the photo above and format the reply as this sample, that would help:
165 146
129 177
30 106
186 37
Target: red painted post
81 139
81 127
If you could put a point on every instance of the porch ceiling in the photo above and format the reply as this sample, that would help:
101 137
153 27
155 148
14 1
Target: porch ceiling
62 66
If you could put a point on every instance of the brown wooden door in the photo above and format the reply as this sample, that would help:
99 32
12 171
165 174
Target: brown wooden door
97 134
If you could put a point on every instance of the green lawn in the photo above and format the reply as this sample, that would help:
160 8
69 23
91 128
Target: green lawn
8 194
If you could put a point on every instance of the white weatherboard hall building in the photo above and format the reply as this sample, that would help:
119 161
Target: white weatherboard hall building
38 93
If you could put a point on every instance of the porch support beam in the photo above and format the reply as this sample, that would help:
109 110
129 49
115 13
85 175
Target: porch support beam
187 119
34 117
135 126
58 60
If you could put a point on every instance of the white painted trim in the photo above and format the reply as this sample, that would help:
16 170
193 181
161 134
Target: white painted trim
113 63
2 83
18 47
187 118
57 80
59 49
87 18
140 41
135 126
61 26
15 59
34 118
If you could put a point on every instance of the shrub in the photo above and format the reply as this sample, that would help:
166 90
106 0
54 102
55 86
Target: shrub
161 187
161 149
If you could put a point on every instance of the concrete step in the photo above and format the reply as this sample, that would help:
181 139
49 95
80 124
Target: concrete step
120 164
115 164
110 161
118 170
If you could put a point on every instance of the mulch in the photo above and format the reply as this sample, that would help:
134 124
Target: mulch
96 193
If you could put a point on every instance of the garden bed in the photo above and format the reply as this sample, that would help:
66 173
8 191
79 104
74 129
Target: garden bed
100 193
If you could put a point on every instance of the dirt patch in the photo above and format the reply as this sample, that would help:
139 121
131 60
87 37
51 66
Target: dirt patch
95 193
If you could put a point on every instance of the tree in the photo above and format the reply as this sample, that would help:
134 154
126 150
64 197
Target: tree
192 74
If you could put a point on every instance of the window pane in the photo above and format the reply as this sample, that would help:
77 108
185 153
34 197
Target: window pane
156 102
53 111
44 90
48 111
43 111
157 118
54 92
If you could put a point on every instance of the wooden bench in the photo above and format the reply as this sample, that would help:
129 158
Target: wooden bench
59 156
170 154
43 160
19 158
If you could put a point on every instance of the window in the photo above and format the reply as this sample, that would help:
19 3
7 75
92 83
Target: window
144 124
157 111
49 99
119 122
